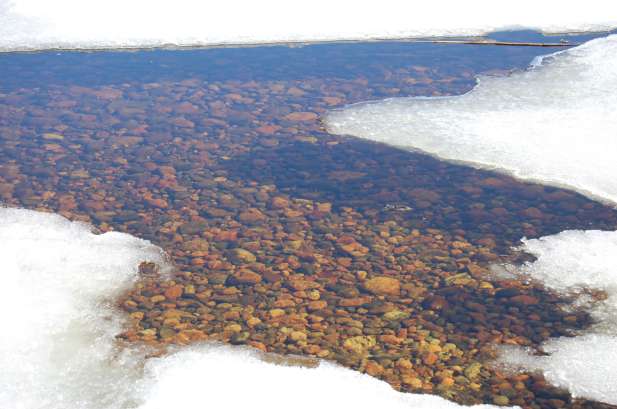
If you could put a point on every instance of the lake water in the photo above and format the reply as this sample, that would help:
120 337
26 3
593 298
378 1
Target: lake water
279 235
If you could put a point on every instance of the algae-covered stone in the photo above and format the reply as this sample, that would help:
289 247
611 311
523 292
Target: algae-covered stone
473 370
396 315
360 345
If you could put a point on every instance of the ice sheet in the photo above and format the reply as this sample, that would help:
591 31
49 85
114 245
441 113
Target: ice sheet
553 123
35 24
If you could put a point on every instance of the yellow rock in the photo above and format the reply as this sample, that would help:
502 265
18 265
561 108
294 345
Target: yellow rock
359 345
411 381
276 312
253 321
53 137
298 336
137 315
314 295
233 328
486 285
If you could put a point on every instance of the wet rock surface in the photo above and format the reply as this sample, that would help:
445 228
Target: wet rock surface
297 242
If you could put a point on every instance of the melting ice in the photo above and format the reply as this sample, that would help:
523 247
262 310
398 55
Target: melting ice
555 123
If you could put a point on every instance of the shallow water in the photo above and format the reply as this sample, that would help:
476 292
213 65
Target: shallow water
205 152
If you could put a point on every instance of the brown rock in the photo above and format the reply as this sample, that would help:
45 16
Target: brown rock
252 215
354 302
302 285
301 116
247 277
242 256
279 203
524 299
383 286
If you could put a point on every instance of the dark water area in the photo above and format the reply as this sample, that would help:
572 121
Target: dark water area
329 60
287 238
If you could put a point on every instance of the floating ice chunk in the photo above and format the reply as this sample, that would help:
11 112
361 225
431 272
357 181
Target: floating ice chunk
555 123
35 24
57 348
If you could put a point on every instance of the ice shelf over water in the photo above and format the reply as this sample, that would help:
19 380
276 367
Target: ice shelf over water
36 24
555 123
57 348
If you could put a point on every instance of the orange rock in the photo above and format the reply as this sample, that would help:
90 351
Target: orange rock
390 339
280 202
284 303
317 305
183 123
108 93
533 213
227 235
302 285
268 129
324 207
430 358
354 302
332 100
173 292
292 213
373 368
355 249
383 286
187 108
302 116
252 215
524 299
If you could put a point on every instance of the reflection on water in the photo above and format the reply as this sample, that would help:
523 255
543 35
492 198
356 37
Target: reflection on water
286 238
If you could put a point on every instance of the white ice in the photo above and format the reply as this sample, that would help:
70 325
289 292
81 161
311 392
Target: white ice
570 262
37 24
59 281
57 349
555 123
222 376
